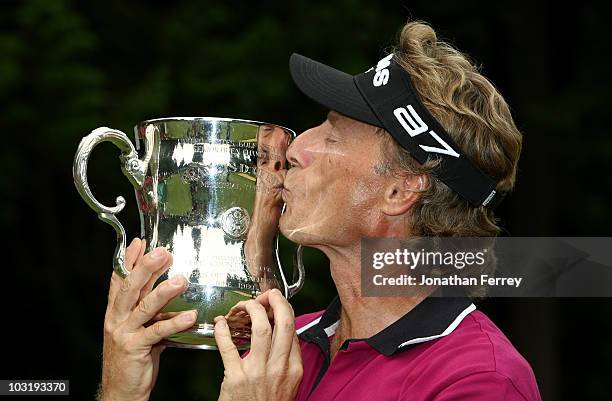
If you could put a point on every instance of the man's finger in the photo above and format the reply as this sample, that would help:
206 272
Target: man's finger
295 356
129 291
132 253
284 327
227 348
261 333
156 332
239 307
238 310
149 285
264 300
150 305
143 248
162 316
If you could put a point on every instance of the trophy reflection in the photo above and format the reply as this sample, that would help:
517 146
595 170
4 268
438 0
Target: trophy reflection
208 189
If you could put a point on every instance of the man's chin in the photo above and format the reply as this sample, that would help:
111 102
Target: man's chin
291 230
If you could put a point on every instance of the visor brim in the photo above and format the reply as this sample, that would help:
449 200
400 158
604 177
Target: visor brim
331 88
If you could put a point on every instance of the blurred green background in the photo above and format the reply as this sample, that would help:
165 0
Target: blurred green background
67 67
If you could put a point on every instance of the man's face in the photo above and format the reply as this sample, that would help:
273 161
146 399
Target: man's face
332 191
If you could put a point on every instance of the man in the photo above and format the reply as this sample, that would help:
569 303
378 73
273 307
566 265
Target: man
420 145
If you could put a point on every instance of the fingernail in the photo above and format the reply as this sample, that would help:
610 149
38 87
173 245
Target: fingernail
189 317
222 323
158 253
177 281
277 291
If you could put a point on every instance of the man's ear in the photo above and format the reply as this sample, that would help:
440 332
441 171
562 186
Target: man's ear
402 192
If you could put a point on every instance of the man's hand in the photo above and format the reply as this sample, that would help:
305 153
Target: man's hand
273 368
131 356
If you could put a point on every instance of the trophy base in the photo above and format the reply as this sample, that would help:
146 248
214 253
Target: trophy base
201 336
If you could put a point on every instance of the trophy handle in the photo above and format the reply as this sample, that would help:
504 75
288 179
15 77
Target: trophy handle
133 168
299 262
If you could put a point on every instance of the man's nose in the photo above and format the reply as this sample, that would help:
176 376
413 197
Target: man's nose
300 152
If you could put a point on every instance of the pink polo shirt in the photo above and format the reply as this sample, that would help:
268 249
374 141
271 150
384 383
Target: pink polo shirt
442 350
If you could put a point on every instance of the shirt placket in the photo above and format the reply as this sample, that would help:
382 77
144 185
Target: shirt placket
349 361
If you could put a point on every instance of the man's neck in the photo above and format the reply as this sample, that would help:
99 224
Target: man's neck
362 317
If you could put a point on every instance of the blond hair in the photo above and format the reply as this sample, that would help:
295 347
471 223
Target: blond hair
477 118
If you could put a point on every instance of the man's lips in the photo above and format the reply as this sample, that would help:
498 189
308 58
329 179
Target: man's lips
285 193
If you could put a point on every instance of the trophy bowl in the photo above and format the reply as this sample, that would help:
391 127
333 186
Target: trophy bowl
209 190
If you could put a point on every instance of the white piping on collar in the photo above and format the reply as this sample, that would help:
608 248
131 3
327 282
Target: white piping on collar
471 308
330 331
309 325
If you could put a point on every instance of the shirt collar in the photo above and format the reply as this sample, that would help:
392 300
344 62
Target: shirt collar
432 318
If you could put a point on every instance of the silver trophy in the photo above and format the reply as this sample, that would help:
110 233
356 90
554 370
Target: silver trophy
208 189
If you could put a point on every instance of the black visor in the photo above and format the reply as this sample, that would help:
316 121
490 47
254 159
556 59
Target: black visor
331 88
384 96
